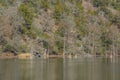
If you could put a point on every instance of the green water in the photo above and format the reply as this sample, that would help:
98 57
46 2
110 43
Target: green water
60 69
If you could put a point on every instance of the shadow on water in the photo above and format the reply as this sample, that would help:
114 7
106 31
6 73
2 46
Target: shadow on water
60 69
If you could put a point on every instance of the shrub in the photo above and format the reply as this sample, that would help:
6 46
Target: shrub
116 5
59 9
106 41
59 46
30 32
8 48
27 13
2 41
23 48
44 4
100 3
3 3
6 2
60 32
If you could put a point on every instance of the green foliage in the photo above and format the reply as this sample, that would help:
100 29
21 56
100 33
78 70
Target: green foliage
6 2
105 10
41 34
11 1
45 35
80 24
79 6
2 41
59 46
99 3
23 48
17 48
27 13
106 41
3 3
92 12
86 49
114 19
80 19
68 15
116 5
60 31
44 4
45 44
29 31
8 48
59 9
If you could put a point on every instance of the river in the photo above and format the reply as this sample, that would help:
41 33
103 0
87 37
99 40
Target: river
60 69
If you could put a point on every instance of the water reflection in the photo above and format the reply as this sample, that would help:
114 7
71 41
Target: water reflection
59 69
92 69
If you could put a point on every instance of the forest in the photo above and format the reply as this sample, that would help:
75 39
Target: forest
60 26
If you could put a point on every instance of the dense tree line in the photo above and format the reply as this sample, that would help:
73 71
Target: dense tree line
63 26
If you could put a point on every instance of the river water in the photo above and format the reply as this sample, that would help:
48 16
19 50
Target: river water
60 69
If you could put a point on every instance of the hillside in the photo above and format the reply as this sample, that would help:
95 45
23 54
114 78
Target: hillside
60 26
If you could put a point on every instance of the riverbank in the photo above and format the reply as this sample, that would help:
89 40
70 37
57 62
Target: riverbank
9 55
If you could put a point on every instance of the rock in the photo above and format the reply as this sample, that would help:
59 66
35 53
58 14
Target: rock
25 56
